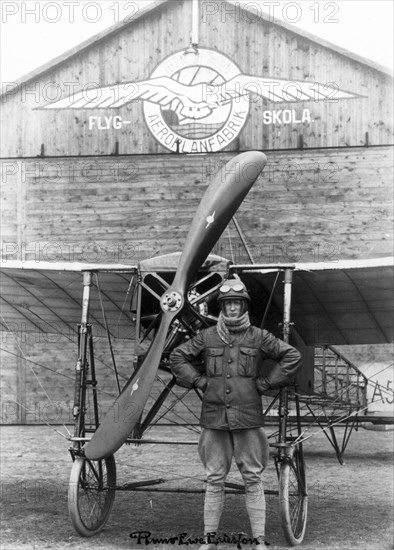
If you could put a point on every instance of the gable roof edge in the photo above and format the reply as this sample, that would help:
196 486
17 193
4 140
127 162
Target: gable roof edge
76 50
69 54
313 38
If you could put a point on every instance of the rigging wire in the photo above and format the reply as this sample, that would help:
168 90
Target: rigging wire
178 476
107 331
37 364
34 374
387 391
230 244
68 436
337 401
301 439
180 398
131 282
170 408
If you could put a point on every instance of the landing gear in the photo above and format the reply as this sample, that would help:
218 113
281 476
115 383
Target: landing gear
91 494
293 500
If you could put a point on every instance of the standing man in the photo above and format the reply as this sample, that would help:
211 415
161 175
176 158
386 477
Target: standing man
232 415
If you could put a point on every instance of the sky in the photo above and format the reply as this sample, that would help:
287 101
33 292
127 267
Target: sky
34 32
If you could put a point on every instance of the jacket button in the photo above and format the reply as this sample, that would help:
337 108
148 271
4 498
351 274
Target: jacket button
228 375
228 406
229 361
228 391
230 346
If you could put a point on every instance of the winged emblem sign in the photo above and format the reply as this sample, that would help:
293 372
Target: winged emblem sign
200 101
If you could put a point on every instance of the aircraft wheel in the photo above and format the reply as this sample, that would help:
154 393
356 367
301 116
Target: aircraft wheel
293 500
90 497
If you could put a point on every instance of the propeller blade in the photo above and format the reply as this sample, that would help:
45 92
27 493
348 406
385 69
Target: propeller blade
125 413
218 205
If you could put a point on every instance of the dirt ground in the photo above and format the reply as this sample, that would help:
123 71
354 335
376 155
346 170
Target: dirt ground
350 507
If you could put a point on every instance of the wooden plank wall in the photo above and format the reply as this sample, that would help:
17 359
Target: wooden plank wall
259 48
332 204
37 376
307 206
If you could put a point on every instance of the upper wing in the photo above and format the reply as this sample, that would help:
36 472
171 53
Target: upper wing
39 297
348 302
47 296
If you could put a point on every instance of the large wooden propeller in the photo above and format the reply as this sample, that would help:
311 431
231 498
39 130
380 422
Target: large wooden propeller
218 205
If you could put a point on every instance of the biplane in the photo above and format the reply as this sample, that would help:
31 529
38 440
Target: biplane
162 301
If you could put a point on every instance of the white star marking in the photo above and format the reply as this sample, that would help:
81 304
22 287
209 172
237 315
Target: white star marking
134 388
210 219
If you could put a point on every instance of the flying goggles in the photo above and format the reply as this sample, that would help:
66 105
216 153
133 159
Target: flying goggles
233 290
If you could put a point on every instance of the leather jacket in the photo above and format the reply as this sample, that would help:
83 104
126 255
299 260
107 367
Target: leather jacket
231 377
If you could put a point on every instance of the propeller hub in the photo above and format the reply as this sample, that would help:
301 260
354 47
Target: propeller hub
171 301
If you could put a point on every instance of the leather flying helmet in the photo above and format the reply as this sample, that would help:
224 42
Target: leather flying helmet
233 289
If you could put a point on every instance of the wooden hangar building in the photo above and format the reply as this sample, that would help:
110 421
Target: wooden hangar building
105 155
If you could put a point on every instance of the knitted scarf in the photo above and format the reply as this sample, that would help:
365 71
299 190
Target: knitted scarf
228 325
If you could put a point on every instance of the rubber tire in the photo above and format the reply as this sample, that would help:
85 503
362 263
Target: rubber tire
293 500
80 497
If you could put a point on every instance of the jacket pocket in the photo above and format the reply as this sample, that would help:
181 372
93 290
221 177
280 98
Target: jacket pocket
214 361
247 365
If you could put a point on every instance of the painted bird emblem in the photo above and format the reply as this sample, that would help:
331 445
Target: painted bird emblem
204 100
